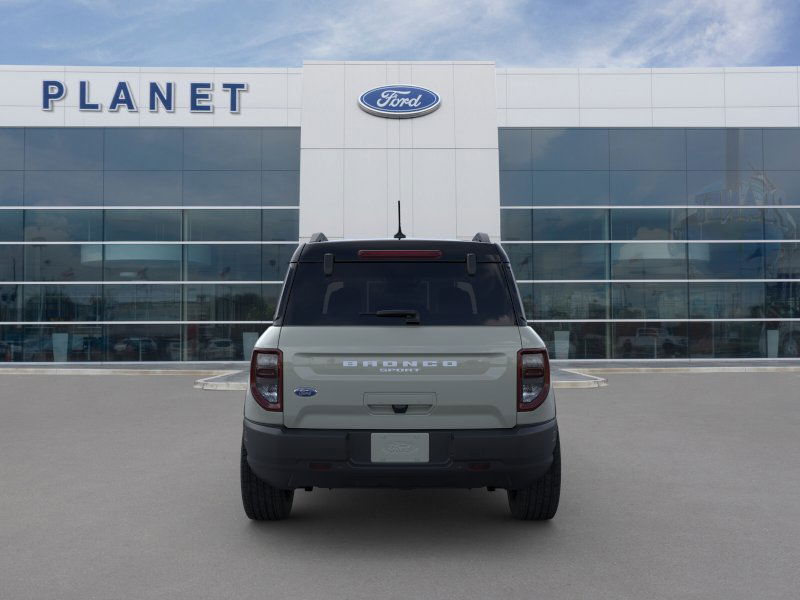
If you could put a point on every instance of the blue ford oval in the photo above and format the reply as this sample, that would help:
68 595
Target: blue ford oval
399 101
305 392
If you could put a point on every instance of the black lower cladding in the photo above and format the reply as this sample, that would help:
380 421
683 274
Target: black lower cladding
462 458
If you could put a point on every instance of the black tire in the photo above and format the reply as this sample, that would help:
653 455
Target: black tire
539 502
261 501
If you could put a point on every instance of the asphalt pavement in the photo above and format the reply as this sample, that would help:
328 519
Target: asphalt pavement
675 486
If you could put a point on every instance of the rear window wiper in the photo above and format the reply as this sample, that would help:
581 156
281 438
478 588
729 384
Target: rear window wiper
412 316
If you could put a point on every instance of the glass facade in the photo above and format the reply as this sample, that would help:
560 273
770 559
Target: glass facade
135 244
655 243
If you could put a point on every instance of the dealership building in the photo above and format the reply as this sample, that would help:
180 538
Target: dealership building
148 214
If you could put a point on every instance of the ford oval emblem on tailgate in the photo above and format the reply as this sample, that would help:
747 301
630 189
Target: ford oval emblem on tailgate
305 392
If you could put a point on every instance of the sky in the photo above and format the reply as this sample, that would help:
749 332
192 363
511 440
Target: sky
241 33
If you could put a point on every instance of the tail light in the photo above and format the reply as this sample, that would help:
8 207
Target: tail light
533 379
266 378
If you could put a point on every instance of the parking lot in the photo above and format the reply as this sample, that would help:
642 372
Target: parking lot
675 486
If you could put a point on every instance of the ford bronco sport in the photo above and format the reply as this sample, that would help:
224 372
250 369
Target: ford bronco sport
403 364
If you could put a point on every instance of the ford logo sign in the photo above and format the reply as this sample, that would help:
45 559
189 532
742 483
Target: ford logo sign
305 392
399 101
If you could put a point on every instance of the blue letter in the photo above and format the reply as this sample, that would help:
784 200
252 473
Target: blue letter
234 89
199 94
52 90
165 98
122 95
84 103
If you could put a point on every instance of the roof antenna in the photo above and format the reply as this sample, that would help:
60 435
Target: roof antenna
399 235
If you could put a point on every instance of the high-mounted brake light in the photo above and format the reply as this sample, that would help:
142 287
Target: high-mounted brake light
533 378
399 253
266 378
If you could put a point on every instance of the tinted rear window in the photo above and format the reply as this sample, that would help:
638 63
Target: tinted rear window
441 293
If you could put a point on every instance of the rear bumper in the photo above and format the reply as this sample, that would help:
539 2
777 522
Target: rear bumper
463 458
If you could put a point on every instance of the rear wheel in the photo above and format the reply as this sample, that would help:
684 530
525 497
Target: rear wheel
539 502
261 501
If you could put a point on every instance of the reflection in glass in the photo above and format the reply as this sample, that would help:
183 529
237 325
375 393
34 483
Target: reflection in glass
726 261
280 188
514 149
63 262
783 299
570 149
656 300
555 225
63 225
10 304
650 339
280 224
275 260
63 188
726 300
146 262
555 188
783 187
64 148
280 148
222 225
221 342
648 261
565 300
212 188
142 302
782 260
574 340
140 342
516 188
222 148
62 303
142 225
235 262
212 302
724 149
570 261
143 148
648 149
142 188
11 188
12 148
520 256
782 148
11 264
10 226
783 340
721 339
648 187
62 343
726 224
732 188
648 224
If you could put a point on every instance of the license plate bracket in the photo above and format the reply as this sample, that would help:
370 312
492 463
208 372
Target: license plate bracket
390 447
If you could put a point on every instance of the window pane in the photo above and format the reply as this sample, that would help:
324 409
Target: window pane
726 261
783 261
142 302
11 188
280 148
570 149
63 225
223 225
555 225
565 300
63 148
62 343
153 262
720 339
222 342
11 263
12 148
569 261
574 340
782 223
212 188
10 309
280 225
143 188
11 341
229 303
280 188
222 148
724 149
648 261
142 225
637 300
783 341
648 224
143 342
726 224
783 299
10 226
62 303
783 187
521 258
275 260
648 149
64 188
654 339
730 188
143 148
648 187
726 300
515 149
516 188
554 188
782 148
63 262
237 262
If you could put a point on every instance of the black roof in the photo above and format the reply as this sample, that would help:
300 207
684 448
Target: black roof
347 250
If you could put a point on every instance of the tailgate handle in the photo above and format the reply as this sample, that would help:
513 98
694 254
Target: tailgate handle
399 409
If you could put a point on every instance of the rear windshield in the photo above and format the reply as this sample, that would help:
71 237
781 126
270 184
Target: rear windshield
437 294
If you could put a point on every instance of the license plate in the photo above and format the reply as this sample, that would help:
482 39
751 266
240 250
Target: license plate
400 447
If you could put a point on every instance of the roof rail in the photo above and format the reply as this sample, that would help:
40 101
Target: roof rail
317 237
482 237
